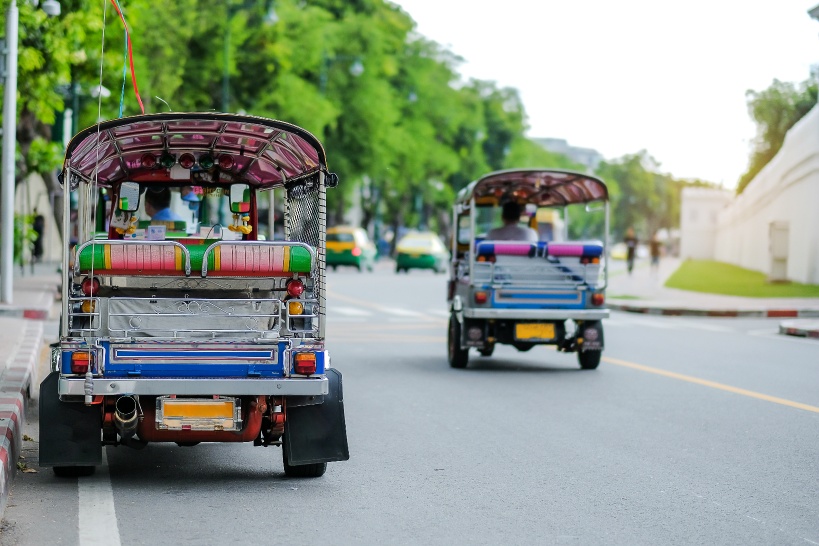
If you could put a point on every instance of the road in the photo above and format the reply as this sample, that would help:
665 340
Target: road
692 431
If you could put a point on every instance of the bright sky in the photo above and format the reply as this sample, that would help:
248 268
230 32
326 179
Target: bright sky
668 77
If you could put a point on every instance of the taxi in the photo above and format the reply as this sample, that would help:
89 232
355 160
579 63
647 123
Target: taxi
348 245
421 250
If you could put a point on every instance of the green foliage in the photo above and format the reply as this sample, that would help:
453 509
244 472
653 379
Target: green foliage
24 235
43 156
775 110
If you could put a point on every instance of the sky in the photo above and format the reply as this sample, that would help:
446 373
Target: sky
631 75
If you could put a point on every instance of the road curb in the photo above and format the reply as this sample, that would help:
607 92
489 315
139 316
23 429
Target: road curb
19 312
15 383
800 328
733 313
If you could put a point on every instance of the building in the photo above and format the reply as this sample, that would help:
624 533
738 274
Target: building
699 208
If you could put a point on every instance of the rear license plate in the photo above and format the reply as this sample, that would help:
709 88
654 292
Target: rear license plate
534 331
221 413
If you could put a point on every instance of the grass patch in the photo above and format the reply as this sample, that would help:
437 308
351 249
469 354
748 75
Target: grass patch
730 280
623 296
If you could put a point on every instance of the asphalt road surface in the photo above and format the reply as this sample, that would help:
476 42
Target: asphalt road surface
692 431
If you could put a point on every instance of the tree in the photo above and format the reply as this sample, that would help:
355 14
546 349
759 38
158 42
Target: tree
775 110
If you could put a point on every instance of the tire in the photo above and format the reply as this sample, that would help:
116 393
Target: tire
74 471
488 350
458 358
589 360
523 347
314 470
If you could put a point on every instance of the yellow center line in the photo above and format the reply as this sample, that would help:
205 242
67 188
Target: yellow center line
712 384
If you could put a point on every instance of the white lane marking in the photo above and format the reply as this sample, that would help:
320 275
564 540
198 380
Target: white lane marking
401 312
704 326
351 311
97 518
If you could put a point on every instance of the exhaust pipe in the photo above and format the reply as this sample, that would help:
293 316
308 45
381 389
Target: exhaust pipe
125 417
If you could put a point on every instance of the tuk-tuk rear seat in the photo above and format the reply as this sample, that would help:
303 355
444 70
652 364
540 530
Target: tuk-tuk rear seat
220 258
539 249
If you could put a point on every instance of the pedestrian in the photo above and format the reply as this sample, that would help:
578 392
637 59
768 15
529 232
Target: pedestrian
655 248
631 248
38 225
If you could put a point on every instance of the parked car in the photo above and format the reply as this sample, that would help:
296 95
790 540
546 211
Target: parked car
421 250
348 245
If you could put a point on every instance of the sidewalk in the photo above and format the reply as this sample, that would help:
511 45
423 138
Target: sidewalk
643 292
21 339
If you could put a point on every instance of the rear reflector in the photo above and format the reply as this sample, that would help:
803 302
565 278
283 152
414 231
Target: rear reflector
598 298
80 361
481 297
304 363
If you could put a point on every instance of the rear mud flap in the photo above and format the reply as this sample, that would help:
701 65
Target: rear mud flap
318 434
70 433
592 334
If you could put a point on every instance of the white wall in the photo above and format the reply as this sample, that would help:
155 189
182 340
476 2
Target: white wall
699 208
786 190
30 194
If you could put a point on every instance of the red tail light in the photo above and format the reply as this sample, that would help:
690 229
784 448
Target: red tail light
481 297
304 363
295 287
187 161
589 260
80 361
90 286
148 161
598 298
487 258
356 251
225 161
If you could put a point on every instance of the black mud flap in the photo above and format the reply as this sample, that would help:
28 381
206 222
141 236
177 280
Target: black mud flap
317 433
70 433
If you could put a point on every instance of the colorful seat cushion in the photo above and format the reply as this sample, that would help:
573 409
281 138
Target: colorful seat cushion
144 258
247 259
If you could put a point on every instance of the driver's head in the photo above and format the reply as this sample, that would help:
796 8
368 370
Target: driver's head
511 212
157 200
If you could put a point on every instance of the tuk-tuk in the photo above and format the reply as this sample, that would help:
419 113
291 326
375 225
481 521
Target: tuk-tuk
541 289
180 321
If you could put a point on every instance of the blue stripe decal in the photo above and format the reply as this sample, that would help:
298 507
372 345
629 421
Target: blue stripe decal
539 296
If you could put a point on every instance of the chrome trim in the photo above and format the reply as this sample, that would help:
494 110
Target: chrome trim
537 314
229 387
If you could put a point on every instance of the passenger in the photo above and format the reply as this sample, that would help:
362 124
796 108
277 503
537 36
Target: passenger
158 206
512 230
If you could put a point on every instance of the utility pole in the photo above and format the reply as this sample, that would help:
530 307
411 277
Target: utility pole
9 148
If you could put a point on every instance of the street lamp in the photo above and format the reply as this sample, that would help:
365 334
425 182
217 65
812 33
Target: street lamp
52 8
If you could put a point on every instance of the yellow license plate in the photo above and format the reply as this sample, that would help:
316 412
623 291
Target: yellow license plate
534 331
198 414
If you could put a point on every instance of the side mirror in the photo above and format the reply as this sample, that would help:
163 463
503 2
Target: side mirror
128 197
240 198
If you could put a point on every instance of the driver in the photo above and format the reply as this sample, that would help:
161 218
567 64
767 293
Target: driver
158 206
512 230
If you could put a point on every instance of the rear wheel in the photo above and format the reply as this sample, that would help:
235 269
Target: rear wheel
458 357
592 334
313 470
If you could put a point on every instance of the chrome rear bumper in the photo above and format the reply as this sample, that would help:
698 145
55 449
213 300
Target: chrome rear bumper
537 314
230 387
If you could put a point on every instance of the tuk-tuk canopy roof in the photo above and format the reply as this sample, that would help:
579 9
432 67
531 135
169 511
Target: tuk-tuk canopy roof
261 152
542 187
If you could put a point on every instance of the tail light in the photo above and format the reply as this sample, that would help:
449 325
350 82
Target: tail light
304 363
80 361
186 161
481 297
356 251
88 306
148 161
225 161
90 286
487 258
598 298
295 287
295 307
589 260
